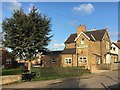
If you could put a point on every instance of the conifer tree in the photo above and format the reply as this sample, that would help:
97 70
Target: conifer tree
26 34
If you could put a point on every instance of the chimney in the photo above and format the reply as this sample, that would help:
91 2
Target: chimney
81 28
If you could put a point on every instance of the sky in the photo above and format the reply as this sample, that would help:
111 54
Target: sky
66 16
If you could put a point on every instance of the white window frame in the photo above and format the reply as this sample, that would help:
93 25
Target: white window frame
67 60
81 58
8 61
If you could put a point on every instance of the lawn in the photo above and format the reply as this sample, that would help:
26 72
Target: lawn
11 71
47 73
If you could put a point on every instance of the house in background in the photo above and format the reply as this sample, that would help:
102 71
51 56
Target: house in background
51 58
115 49
114 55
86 48
5 58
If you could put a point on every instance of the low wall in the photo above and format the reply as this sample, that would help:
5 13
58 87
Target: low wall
10 79
115 66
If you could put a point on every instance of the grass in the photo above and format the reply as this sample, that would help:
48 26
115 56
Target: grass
11 71
47 73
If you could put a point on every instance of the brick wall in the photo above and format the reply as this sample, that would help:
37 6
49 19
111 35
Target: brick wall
74 60
47 59
71 45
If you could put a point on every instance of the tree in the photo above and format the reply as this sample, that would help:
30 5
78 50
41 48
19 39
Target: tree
27 34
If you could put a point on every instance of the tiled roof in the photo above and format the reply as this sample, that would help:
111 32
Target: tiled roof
111 53
97 34
52 52
118 44
69 51
71 38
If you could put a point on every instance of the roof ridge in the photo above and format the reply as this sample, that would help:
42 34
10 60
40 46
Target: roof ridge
97 30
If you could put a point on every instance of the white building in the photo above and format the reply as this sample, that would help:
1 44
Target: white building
115 48
114 54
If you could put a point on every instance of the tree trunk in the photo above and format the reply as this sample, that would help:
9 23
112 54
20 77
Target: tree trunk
29 65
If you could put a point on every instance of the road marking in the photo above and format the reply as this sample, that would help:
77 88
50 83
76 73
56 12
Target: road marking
111 78
105 87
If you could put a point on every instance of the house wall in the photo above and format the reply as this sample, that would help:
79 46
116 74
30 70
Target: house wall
82 50
74 60
108 58
71 45
5 56
47 60
94 54
119 55
104 48
116 49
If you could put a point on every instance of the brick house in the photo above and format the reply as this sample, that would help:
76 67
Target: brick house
51 58
86 48
5 58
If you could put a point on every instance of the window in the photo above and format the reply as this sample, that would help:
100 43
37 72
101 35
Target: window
110 48
114 48
82 60
82 41
98 60
68 60
52 60
8 61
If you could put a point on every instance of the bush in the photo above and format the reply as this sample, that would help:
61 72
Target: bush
11 71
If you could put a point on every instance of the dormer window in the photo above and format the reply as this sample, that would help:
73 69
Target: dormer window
82 41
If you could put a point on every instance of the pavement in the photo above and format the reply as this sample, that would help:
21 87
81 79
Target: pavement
107 80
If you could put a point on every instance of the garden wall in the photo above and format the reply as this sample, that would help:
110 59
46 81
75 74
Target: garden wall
10 79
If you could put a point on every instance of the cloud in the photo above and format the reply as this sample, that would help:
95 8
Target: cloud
14 5
84 8
58 46
30 7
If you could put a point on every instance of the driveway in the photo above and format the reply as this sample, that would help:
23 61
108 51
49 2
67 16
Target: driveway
107 80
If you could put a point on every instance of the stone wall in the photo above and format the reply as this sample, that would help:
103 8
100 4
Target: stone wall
10 79
71 45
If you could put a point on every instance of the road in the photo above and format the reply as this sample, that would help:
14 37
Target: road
106 80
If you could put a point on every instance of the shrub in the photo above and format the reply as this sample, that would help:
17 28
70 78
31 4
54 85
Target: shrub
11 71
57 72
